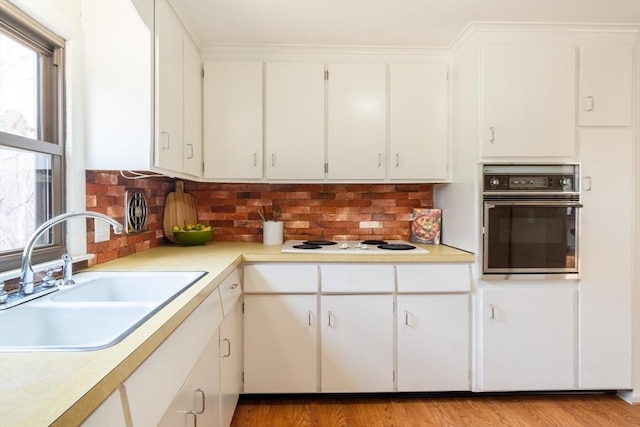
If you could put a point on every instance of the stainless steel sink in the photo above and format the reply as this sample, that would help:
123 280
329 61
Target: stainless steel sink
98 312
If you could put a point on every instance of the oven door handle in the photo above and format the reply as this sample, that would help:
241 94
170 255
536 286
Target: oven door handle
554 203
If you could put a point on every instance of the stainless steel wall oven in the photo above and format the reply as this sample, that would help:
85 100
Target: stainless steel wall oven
531 219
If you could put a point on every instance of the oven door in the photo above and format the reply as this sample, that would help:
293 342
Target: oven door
530 237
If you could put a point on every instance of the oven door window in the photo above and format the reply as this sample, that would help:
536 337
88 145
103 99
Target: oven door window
530 238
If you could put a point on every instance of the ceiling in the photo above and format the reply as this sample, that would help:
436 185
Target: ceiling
412 23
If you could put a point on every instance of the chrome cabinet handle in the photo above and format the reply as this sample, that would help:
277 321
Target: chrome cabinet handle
492 138
493 312
202 400
190 155
309 318
273 160
592 103
586 183
255 160
165 137
406 318
235 285
379 159
397 159
331 319
228 347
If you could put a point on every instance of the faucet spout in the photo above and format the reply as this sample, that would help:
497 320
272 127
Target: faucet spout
26 268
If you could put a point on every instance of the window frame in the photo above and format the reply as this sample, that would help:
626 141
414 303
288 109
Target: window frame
51 135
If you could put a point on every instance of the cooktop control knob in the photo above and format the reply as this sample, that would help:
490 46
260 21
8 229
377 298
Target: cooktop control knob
494 182
565 182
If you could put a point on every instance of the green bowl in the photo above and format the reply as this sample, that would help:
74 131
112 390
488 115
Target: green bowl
193 238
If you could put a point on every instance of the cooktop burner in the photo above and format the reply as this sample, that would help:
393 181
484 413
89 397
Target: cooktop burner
374 242
307 245
396 247
319 243
352 247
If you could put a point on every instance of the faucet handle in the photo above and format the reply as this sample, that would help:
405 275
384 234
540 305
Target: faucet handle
48 280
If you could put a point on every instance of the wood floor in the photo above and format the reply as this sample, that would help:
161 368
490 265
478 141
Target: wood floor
585 410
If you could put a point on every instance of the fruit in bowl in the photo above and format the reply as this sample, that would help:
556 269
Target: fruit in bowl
192 234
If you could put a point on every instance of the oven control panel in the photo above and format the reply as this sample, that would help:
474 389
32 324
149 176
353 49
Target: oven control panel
561 183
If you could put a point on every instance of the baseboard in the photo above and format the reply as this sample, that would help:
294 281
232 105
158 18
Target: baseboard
632 397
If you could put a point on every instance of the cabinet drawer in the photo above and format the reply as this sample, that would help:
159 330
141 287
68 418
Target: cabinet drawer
230 291
357 278
152 387
434 278
281 278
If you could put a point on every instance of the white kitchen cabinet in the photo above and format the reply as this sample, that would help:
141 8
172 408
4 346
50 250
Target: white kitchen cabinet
418 121
169 88
281 343
230 361
606 85
606 248
528 101
433 342
357 343
528 337
294 121
152 387
197 401
232 120
109 413
118 89
357 121
192 149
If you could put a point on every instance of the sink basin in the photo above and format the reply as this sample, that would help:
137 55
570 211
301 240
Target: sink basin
100 310
59 327
127 286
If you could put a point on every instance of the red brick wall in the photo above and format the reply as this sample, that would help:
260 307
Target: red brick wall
332 211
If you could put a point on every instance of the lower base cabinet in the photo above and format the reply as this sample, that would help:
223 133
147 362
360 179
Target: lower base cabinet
433 342
197 401
357 343
280 343
230 363
528 338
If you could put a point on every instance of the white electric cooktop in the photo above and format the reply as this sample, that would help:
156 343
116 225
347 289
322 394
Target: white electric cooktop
370 247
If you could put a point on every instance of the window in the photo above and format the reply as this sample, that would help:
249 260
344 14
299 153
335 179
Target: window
31 136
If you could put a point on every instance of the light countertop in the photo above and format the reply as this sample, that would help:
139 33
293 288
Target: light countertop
63 388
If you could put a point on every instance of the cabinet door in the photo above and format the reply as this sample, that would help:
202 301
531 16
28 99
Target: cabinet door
528 338
169 88
357 343
418 121
294 121
192 109
280 344
197 402
605 290
433 342
528 107
232 120
606 85
357 121
230 362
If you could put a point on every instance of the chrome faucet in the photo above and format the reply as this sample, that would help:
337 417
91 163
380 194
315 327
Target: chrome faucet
25 286
67 270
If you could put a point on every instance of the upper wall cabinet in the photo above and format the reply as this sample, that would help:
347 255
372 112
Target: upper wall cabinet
232 120
118 85
357 121
169 88
528 101
294 125
418 121
606 84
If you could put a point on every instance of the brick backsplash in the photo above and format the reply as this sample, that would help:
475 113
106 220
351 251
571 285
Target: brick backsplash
331 211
